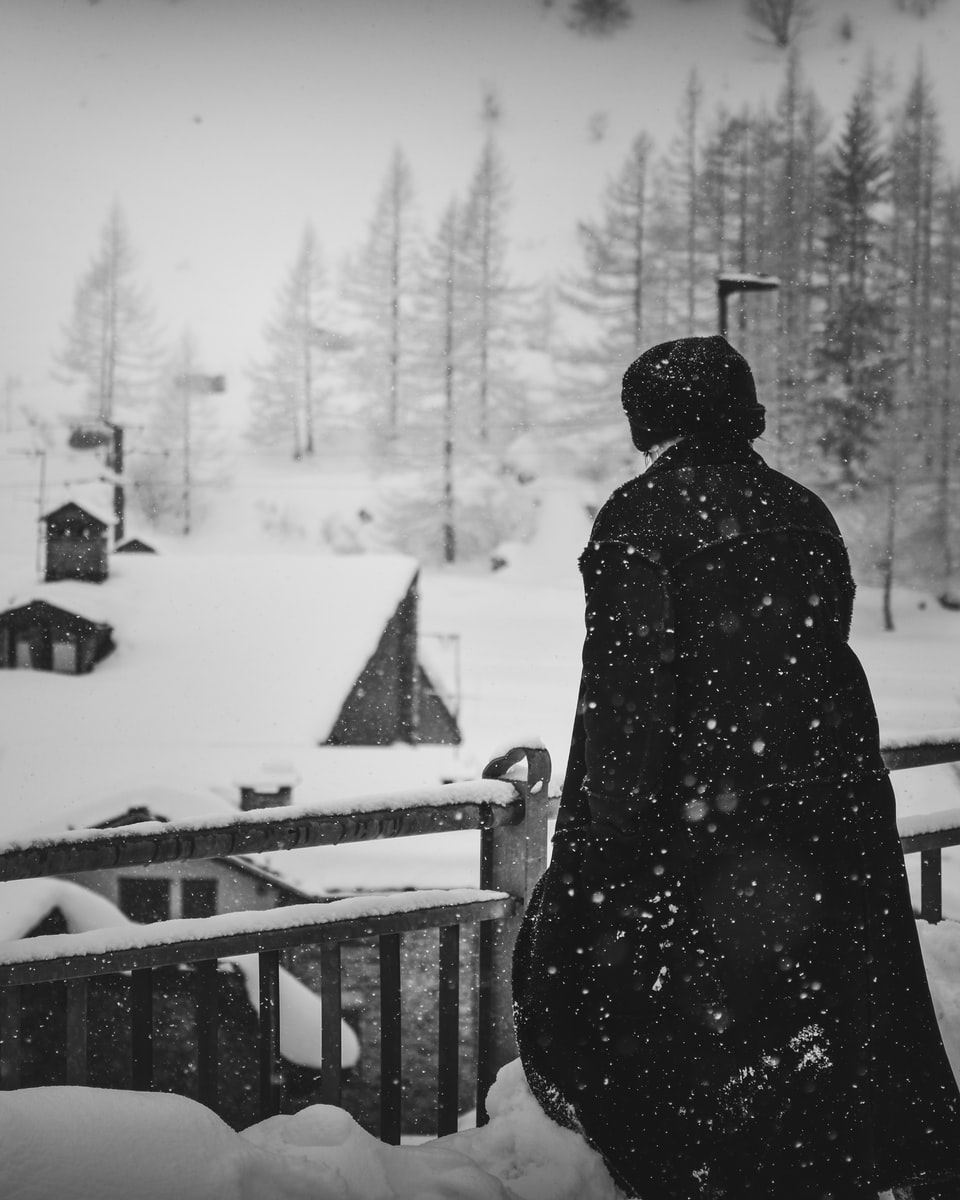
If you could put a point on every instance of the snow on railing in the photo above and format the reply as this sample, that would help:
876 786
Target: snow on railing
456 806
510 812
928 833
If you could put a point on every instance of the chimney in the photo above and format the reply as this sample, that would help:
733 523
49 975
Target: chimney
272 787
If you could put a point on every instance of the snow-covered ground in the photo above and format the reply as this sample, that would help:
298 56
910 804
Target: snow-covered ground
112 1145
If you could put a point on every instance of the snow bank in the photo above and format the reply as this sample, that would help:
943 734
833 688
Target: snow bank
92 1144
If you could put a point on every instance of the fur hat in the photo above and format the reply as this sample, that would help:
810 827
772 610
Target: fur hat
693 385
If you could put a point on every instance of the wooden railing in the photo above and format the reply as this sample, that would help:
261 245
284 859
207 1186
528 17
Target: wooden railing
511 816
930 834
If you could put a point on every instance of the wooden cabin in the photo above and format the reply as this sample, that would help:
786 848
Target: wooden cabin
42 637
76 544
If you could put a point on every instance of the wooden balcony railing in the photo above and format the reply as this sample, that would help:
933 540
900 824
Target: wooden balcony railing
512 817
927 835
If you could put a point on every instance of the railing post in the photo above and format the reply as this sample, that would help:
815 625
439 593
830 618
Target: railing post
931 891
10 1037
512 859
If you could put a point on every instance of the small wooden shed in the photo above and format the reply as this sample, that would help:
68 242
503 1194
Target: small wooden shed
76 544
43 637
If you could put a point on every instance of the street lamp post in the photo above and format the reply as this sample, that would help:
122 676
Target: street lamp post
729 281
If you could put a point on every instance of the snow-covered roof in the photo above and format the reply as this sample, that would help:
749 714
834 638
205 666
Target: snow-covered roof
99 515
220 649
228 669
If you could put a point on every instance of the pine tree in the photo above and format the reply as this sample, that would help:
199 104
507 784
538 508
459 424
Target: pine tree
799 136
780 20
291 384
724 191
947 426
686 200
599 16
110 344
382 287
916 158
855 358
443 349
611 288
491 299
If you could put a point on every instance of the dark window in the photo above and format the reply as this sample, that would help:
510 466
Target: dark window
145 900
199 897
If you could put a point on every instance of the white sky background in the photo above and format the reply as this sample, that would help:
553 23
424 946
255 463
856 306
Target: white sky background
222 126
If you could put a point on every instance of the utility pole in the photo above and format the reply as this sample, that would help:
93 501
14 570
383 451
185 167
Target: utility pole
41 504
185 394
192 384
449 526
115 461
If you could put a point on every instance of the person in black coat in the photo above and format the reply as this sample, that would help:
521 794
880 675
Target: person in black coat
718 980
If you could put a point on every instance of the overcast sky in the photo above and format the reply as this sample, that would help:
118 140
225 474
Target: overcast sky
222 126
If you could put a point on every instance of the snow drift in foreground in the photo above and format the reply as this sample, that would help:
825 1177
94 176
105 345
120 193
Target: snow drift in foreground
92 1144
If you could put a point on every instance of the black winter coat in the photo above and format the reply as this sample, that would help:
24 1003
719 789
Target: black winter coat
718 980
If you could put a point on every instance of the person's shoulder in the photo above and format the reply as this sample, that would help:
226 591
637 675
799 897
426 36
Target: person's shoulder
809 507
626 506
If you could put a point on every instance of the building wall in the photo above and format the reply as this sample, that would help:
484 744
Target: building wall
237 891
76 558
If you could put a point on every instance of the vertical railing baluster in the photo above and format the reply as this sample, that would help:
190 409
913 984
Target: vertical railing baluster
390 1039
141 1029
330 1043
76 1031
931 890
10 1059
208 1032
486 1007
270 1081
448 1032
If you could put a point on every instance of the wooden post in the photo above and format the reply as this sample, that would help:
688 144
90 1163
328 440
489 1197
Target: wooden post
76 997
10 1037
512 859
931 892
